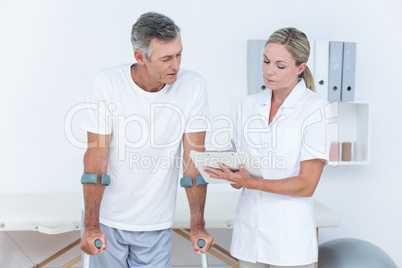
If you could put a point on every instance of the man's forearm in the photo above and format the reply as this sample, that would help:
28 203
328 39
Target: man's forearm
196 196
92 197
94 162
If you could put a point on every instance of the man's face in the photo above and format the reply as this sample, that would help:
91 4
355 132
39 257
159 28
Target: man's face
165 59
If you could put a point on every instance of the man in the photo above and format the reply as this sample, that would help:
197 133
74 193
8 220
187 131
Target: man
144 113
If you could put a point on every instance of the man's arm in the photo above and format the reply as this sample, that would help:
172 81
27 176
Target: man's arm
95 161
196 194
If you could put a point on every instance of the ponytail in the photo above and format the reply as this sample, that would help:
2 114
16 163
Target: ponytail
308 78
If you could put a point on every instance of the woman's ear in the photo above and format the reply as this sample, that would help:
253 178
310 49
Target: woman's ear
301 68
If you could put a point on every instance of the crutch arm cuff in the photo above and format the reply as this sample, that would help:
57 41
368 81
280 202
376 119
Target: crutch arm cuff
93 178
200 180
105 179
186 181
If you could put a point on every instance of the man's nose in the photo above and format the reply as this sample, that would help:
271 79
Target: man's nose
176 63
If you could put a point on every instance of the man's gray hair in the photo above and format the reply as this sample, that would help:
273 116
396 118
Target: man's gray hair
149 26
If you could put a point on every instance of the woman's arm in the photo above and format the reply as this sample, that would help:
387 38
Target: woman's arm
302 185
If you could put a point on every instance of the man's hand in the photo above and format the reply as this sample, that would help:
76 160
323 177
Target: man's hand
88 241
198 233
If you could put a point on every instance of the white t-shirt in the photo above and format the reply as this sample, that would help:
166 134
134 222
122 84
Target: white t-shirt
273 228
145 152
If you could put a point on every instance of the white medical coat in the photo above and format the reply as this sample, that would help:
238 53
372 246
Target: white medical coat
273 228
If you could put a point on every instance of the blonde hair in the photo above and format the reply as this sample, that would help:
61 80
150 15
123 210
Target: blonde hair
299 46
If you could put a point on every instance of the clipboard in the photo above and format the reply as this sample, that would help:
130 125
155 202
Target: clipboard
230 158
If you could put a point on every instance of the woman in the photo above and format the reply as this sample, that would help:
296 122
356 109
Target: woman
285 127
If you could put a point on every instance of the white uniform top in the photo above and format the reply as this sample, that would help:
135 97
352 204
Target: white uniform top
145 154
273 228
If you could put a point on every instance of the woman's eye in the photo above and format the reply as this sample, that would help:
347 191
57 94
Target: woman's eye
281 67
266 61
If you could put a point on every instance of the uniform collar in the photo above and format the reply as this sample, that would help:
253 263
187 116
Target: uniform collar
290 101
265 104
294 96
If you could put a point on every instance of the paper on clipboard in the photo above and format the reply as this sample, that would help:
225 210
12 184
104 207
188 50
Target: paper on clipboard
231 159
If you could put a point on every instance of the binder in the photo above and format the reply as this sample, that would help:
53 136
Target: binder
335 71
255 80
321 52
349 71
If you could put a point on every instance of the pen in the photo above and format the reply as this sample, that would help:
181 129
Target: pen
233 144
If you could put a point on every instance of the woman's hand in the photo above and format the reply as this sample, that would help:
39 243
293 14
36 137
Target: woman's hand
236 185
240 178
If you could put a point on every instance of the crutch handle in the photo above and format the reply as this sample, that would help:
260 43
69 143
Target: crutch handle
201 243
98 243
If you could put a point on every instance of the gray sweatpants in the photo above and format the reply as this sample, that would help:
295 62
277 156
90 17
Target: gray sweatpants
126 249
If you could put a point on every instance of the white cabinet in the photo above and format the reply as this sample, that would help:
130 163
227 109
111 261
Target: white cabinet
352 118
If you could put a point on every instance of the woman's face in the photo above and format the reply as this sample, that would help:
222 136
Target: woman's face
279 68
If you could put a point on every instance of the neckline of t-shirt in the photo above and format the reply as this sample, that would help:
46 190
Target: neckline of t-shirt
139 90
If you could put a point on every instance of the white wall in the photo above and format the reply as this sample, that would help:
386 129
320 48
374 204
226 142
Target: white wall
49 51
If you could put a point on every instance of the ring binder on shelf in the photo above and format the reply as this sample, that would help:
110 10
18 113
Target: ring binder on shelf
321 52
335 71
255 80
348 71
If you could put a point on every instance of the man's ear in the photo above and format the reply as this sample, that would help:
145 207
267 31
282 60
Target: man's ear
139 56
301 68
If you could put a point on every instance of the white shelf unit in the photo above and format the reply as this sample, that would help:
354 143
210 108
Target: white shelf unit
353 120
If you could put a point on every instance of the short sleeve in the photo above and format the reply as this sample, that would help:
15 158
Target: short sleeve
96 116
316 133
198 118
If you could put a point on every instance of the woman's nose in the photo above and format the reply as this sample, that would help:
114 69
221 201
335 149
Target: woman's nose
269 70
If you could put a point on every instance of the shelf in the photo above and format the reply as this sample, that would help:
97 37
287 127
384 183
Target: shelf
352 125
